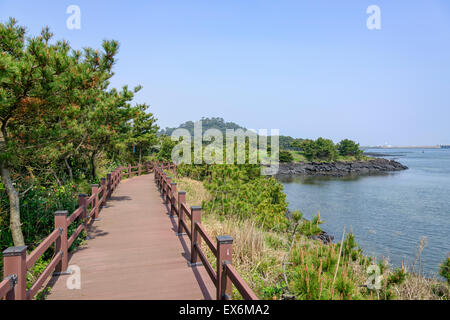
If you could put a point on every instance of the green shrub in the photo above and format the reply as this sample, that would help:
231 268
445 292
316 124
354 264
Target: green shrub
311 228
350 247
444 269
240 191
285 156
320 149
349 148
397 277
273 292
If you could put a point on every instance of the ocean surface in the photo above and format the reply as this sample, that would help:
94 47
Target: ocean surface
388 213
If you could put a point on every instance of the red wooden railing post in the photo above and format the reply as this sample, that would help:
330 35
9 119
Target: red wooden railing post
156 175
111 185
113 180
108 185
95 205
224 254
139 169
147 167
129 171
167 192
82 202
61 244
181 199
15 263
103 184
173 210
161 182
164 183
158 180
196 217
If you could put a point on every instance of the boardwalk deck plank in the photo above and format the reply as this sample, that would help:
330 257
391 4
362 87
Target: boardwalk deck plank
134 252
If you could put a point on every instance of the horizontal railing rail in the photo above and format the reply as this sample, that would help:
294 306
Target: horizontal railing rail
225 275
229 272
136 170
16 261
7 285
40 249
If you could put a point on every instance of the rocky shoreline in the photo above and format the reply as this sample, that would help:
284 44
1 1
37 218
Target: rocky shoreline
340 168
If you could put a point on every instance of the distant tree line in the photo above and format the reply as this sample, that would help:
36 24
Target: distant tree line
326 150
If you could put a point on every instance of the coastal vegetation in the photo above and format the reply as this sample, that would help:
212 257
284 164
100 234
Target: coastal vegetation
279 254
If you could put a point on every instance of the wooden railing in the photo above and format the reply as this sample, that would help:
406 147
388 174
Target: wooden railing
16 261
225 274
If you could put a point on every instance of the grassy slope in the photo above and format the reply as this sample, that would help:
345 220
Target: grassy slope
267 259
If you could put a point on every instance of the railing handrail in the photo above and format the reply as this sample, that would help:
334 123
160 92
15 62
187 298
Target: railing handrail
16 258
206 237
226 274
40 249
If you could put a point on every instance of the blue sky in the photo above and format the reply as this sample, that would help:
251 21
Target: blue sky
309 68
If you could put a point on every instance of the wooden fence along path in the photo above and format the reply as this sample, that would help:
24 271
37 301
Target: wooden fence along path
140 247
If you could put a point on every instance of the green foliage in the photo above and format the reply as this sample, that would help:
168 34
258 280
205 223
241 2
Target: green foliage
37 212
444 269
32 275
142 135
273 292
165 151
397 277
285 156
310 228
274 242
312 273
350 248
297 216
320 149
349 148
240 190
74 116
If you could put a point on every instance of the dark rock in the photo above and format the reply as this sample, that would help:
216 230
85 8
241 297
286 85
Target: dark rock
340 168
324 237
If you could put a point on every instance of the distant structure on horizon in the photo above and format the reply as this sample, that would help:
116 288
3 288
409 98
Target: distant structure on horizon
445 146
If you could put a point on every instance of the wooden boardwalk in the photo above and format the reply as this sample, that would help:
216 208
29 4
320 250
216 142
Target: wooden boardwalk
134 252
